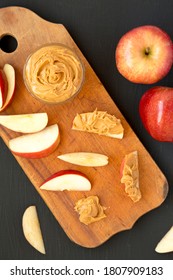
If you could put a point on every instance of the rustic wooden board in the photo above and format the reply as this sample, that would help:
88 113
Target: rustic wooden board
31 32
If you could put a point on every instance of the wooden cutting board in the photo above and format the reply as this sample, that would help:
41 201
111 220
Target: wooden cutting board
31 32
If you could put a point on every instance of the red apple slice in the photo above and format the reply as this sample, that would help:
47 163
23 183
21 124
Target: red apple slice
10 76
70 180
25 123
32 230
3 88
85 159
166 243
122 167
36 145
129 172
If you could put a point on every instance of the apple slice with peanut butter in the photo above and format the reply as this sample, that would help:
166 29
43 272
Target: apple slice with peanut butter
99 122
130 176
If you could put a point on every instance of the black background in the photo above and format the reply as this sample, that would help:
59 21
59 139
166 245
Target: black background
96 26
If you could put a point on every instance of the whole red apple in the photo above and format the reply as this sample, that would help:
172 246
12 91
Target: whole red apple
144 54
156 112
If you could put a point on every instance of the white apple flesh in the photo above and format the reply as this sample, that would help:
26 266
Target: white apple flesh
36 145
144 54
3 88
10 76
71 180
25 123
85 159
32 230
166 243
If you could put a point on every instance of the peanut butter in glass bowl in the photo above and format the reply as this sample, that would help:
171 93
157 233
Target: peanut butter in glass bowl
53 74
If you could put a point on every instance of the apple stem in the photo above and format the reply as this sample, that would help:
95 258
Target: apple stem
147 50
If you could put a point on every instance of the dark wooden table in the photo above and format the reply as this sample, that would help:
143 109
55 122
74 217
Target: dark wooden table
96 27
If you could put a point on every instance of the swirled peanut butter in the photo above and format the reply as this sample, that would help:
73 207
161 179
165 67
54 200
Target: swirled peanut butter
99 122
53 73
90 210
130 176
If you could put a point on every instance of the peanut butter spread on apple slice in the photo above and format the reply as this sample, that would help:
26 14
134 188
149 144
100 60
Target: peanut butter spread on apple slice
130 176
89 210
99 122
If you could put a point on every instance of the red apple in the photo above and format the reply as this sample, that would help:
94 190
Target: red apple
3 88
25 123
156 112
67 180
165 245
144 54
10 76
36 145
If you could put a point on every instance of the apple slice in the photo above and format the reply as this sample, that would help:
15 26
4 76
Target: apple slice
71 180
99 122
166 243
85 159
129 172
10 76
36 145
3 88
32 230
25 123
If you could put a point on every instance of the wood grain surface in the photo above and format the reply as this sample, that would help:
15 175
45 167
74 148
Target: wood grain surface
31 32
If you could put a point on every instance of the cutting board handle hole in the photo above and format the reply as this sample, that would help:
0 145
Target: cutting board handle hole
8 43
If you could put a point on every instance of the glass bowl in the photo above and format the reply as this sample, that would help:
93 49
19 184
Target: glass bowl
53 74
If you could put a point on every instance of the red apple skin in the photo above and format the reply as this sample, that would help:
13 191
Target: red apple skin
6 104
64 172
144 54
121 168
10 94
3 87
40 154
156 112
